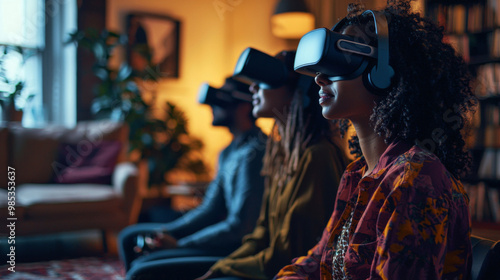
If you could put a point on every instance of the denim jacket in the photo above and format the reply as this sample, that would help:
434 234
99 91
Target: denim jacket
232 202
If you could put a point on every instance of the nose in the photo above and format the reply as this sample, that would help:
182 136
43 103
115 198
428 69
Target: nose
254 88
322 79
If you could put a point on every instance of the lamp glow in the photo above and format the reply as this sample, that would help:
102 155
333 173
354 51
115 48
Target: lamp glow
291 19
292 25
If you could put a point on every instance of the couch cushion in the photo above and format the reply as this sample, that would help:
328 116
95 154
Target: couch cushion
92 164
30 194
94 132
33 151
61 200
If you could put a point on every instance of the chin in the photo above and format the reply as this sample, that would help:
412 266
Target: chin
327 114
256 112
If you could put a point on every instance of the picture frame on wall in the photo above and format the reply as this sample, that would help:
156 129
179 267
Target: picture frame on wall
153 44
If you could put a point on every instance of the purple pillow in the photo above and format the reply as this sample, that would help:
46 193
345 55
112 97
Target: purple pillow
86 162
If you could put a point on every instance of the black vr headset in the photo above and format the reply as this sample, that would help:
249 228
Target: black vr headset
254 66
269 72
342 57
230 93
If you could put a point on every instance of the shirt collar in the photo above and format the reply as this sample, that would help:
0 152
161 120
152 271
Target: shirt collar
393 151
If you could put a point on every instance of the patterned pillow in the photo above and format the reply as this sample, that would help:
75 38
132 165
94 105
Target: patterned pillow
86 162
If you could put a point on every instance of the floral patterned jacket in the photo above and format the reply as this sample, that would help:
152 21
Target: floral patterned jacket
411 221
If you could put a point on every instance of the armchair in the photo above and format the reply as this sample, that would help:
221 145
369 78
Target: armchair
485 258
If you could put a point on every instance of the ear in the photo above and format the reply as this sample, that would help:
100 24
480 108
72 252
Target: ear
379 77
376 81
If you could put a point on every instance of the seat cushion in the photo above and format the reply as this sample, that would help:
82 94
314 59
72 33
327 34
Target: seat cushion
53 200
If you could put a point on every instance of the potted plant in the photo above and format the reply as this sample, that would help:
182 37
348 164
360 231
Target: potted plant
164 143
12 99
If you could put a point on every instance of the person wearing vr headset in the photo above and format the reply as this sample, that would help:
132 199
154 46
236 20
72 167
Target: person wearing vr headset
303 165
401 211
232 201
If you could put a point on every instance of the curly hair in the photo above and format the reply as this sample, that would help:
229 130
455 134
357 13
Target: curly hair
302 125
431 97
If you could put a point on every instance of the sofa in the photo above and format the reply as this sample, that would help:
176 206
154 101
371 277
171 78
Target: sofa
58 179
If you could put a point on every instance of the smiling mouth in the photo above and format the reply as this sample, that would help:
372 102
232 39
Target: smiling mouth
255 101
324 96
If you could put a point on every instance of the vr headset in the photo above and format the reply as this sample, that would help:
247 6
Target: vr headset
269 72
254 66
224 97
342 57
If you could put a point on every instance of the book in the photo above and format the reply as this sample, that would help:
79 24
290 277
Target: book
497 69
459 22
494 41
460 43
481 202
494 201
486 170
496 166
494 7
486 74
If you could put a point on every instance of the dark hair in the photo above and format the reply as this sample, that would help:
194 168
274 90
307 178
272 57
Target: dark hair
431 100
304 125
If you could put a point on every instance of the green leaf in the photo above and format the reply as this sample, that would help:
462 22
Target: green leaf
101 72
99 50
165 143
124 72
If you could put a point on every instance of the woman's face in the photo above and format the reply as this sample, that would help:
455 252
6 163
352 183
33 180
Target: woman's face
348 99
270 103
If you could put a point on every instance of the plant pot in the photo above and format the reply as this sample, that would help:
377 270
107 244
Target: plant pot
11 114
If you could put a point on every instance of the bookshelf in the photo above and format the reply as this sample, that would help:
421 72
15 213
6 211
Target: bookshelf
473 28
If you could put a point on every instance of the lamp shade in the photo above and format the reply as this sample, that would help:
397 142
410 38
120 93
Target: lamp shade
291 19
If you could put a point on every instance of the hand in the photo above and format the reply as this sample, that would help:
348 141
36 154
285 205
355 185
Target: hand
151 242
205 276
163 240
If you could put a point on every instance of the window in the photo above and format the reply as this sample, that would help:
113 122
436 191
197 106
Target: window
41 29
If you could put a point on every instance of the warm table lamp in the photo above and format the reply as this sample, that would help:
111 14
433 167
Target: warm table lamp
291 19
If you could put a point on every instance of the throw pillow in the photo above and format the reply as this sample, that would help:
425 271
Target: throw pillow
86 162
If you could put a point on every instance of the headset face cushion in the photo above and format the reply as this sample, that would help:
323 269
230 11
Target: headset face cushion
213 96
338 56
254 66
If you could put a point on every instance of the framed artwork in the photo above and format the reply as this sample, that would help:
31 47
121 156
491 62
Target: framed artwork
153 45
